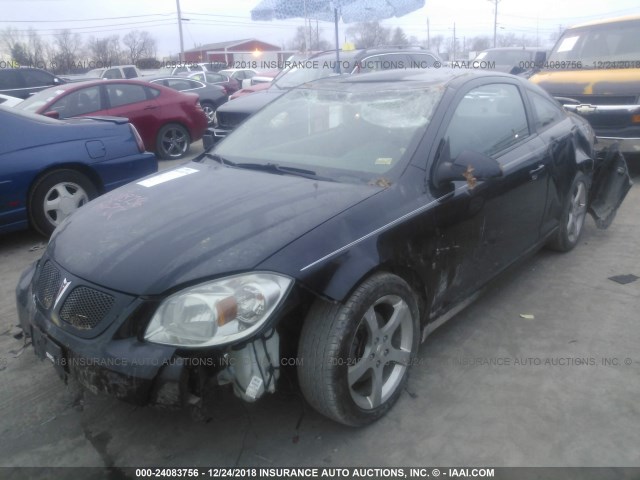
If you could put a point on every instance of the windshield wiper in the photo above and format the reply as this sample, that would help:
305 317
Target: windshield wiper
218 158
275 168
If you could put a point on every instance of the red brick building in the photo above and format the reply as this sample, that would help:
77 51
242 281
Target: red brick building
236 51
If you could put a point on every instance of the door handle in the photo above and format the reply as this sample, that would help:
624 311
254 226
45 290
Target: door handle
149 107
535 172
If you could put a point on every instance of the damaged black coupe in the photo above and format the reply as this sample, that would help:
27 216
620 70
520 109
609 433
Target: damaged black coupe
333 231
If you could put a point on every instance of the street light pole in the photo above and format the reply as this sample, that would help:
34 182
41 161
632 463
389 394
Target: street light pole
181 58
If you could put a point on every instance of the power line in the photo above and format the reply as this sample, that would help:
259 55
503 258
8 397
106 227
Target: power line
88 19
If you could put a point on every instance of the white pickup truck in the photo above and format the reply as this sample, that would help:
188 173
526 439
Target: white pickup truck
107 73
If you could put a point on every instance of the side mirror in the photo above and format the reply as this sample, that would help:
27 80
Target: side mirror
539 59
52 114
469 166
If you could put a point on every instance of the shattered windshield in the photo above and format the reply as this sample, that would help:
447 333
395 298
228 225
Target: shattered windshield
346 135
597 44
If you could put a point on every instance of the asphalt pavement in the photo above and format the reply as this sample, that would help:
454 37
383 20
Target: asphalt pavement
543 370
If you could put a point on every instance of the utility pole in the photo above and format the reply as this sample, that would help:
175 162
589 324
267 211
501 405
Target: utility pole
495 21
428 36
454 41
181 58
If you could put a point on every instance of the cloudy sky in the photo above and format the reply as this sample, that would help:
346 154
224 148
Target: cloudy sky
219 20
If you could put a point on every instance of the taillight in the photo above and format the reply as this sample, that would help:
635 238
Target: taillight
138 138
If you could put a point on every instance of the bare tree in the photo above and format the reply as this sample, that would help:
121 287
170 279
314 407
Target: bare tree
435 43
309 38
512 40
399 37
369 34
105 51
67 48
480 43
140 45
9 37
300 40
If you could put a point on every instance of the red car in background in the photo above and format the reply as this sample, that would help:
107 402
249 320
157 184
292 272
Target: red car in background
168 120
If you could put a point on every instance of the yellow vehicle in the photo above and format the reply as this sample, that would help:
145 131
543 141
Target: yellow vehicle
594 71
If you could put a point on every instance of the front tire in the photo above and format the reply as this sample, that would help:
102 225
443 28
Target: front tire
56 196
574 213
355 357
173 142
209 110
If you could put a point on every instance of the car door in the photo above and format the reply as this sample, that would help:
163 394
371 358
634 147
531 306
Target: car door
555 130
35 80
137 103
83 101
483 226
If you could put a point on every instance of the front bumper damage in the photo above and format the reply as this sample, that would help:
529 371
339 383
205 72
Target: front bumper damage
111 357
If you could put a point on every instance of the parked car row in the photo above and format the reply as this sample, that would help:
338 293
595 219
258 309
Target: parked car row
168 121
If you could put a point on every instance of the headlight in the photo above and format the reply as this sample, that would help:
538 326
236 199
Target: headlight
217 312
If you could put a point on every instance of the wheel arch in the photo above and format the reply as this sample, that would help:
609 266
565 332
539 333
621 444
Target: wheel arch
348 278
84 169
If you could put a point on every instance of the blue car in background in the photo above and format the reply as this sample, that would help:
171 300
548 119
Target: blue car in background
49 168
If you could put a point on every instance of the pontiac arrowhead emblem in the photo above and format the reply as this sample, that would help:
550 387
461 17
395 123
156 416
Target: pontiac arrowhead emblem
63 288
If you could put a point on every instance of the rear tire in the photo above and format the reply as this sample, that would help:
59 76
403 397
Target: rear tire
355 357
574 213
57 195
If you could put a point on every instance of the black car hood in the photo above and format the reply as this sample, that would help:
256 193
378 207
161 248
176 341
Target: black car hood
253 102
212 221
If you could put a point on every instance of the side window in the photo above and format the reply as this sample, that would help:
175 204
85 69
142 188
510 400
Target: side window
79 102
153 92
9 79
178 84
214 78
383 62
546 111
421 60
36 78
123 94
112 73
180 70
487 120
130 72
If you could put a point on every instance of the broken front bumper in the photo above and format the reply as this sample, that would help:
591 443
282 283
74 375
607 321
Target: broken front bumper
110 358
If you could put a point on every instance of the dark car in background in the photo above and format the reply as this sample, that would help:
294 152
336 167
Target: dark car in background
511 59
49 168
25 81
229 84
319 66
331 232
211 96
168 121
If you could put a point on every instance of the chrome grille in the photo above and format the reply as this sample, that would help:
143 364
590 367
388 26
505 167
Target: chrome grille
48 284
230 120
85 307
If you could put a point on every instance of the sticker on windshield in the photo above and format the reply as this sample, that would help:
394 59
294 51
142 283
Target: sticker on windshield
568 44
167 177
